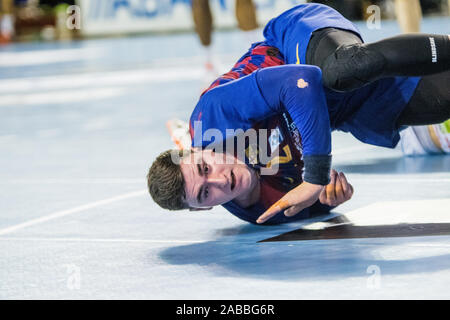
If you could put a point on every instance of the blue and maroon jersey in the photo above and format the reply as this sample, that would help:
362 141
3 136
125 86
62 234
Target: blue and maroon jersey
283 143
270 87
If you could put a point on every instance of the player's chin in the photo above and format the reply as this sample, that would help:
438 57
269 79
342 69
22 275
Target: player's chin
243 181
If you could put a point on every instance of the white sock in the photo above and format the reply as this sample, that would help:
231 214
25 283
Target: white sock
410 144
442 131
7 25
207 52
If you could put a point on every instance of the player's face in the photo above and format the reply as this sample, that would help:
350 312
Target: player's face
215 178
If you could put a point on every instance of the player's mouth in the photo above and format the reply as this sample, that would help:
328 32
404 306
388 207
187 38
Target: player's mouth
233 180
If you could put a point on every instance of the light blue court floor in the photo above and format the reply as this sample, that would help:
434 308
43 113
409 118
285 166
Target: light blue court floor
81 122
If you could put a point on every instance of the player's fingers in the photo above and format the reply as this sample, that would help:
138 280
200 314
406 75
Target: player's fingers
347 187
330 188
323 196
340 197
273 210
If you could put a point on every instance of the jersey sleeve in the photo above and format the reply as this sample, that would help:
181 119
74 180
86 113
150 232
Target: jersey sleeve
298 89
295 89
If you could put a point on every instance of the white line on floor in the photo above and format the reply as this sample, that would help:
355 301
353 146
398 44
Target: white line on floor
54 84
61 97
124 240
401 178
352 149
63 213
7 137
74 181
37 57
100 240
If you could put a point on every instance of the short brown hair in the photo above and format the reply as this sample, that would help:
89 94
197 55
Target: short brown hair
166 183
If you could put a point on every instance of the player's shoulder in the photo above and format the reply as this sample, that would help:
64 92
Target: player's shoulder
202 109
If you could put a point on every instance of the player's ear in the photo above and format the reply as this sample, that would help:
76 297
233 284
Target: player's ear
200 209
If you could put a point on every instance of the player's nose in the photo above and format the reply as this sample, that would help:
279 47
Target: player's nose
219 180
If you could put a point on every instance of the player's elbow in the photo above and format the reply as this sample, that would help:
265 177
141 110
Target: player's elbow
306 77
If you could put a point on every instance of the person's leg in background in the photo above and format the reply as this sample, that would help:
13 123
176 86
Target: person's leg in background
409 15
6 20
247 20
246 15
203 25
203 22
245 11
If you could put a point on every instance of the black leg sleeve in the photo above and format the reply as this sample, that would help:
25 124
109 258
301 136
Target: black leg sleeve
430 102
351 66
414 54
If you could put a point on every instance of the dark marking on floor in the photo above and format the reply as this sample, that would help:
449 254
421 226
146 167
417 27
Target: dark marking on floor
349 231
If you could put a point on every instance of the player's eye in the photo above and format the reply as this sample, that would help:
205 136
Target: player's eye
205 169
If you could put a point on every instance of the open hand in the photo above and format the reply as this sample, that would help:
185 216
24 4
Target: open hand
306 194
299 198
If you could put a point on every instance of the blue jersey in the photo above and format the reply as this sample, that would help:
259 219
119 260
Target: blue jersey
262 91
289 102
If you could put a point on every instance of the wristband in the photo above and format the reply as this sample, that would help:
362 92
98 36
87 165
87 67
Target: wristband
317 169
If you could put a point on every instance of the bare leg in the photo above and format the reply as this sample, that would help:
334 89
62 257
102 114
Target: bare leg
246 15
409 15
6 6
6 20
201 12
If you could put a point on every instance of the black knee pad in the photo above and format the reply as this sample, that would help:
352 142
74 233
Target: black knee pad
351 67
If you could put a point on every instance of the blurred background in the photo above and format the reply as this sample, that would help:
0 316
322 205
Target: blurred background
46 20
86 89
